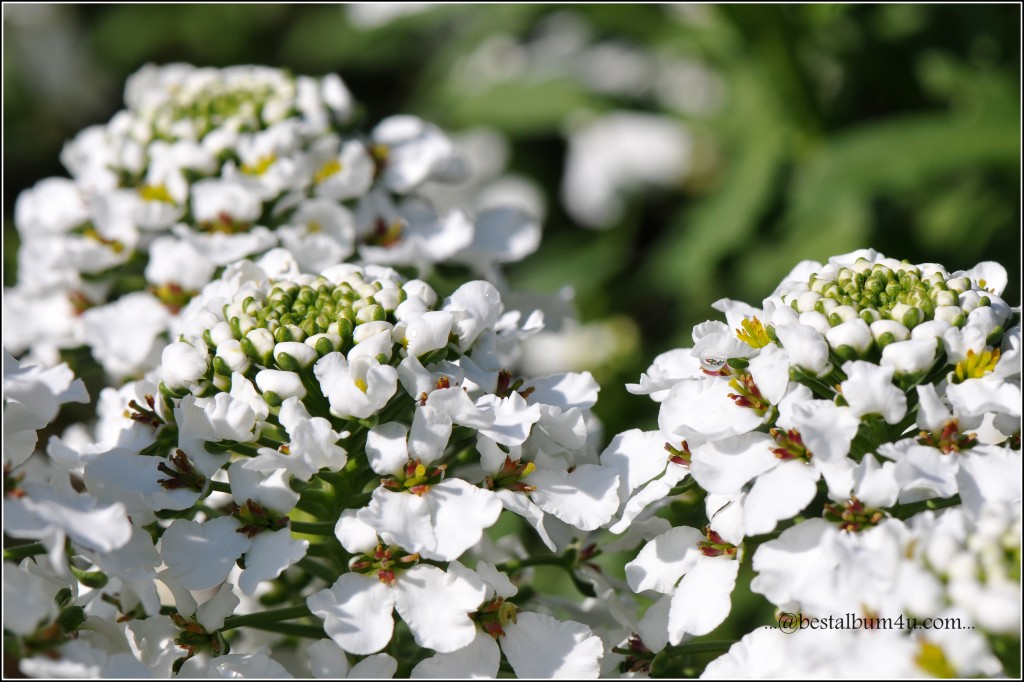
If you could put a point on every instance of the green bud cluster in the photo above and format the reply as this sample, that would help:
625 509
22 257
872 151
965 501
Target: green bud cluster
875 291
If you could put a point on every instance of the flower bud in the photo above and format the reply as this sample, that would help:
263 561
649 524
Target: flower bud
856 334
294 356
182 366
370 329
220 333
283 384
324 343
888 331
262 342
231 353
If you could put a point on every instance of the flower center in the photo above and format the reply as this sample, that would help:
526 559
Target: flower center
183 475
415 478
753 333
680 456
976 365
495 615
255 518
715 545
382 562
747 394
511 476
327 170
852 515
949 439
155 193
260 166
791 445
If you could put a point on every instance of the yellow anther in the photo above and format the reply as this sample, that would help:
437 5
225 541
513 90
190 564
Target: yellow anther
976 365
327 170
313 227
753 333
932 659
421 471
361 384
529 469
155 193
507 613
261 165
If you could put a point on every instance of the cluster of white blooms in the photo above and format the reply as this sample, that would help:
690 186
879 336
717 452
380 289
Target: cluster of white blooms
206 166
821 428
343 440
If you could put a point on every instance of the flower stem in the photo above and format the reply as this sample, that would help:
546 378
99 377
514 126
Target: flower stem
23 551
313 527
905 511
519 564
266 617
317 569
293 629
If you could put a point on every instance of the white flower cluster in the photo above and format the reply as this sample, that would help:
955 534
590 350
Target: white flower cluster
349 427
861 394
206 166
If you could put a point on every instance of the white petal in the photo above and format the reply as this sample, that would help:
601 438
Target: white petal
703 599
401 518
479 660
537 645
653 627
512 418
658 489
520 503
429 435
211 614
436 606
327 660
477 306
826 429
564 390
459 514
770 370
725 466
270 554
356 612
375 667
353 534
989 475
386 448
637 457
495 580
805 347
785 565
910 357
932 413
869 390
779 494
701 409
585 498
664 559
200 555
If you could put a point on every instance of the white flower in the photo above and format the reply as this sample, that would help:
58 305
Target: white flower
415 151
434 604
355 389
32 397
868 389
616 154
438 519
328 661
698 571
124 334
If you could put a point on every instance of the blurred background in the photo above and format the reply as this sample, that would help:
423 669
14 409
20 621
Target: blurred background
679 153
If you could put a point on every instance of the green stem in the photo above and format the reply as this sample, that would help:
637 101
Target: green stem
265 617
220 487
519 564
23 551
905 511
317 569
293 629
313 527
699 647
